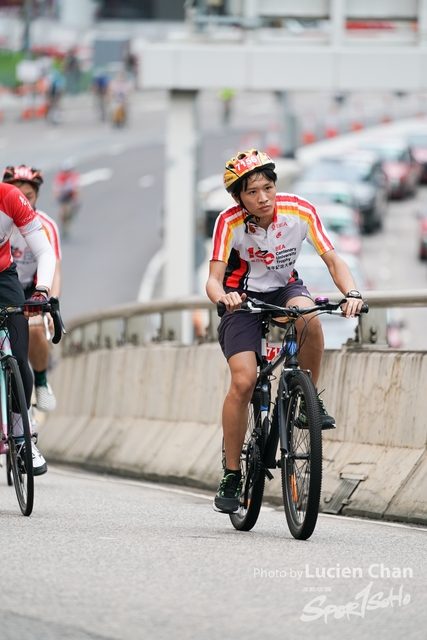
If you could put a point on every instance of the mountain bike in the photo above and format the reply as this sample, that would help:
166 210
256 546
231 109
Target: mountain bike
15 429
278 428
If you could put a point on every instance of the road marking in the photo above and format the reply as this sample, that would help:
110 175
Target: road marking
116 149
158 487
148 282
97 175
146 181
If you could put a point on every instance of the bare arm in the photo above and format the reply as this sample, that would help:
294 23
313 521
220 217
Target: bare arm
342 277
56 284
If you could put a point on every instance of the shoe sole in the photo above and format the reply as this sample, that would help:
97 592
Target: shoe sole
327 427
218 510
39 471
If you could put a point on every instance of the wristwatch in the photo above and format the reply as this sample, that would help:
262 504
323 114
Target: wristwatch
353 294
41 290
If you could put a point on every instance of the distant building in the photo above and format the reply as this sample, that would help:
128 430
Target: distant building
141 10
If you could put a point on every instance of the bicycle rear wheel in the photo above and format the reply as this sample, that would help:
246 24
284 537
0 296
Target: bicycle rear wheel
252 475
19 438
302 464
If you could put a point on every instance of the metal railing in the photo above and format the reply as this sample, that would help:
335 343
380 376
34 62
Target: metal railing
169 321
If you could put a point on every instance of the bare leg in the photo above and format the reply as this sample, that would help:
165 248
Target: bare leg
243 368
38 352
310 356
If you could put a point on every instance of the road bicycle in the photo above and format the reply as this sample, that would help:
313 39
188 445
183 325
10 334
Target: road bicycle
15 428
289 427
68 209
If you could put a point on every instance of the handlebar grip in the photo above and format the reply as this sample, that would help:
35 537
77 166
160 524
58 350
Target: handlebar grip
57 320
221 308
364 308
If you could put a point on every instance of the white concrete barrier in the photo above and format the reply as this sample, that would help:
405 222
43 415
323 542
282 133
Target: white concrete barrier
155 412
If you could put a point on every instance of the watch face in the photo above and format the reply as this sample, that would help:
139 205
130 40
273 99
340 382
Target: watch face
354 294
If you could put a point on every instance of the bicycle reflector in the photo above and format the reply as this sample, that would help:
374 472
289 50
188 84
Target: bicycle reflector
321 300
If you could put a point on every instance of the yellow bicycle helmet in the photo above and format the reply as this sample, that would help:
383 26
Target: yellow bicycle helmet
245 163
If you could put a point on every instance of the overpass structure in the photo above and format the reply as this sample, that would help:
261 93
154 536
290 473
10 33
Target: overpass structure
209 58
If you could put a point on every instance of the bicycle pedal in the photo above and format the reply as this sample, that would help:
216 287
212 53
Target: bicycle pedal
269 474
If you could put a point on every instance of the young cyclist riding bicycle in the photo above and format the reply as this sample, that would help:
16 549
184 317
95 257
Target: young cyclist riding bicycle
28 180
255 246
15 209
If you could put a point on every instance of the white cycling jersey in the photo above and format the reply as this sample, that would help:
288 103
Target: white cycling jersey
22 255
263 260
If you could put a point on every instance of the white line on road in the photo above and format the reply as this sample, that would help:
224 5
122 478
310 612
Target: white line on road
97 175
151 274
146 181
159 487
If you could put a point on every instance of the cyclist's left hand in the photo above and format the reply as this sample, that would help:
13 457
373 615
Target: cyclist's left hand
37 296
351 307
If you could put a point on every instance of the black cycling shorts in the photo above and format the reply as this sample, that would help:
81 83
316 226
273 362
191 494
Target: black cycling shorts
238 332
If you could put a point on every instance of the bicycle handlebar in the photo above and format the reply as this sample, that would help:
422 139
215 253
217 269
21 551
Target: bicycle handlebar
252 305
49 306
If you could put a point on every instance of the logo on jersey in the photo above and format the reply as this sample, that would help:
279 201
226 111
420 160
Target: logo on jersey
277 225
260 256
25 202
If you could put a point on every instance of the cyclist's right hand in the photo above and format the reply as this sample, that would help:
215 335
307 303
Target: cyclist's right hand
232 300
32 310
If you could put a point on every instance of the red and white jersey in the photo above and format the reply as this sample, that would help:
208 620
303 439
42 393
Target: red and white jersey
14 209
67 184
24 258
263 260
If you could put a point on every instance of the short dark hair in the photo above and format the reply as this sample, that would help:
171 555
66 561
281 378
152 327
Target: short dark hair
241 185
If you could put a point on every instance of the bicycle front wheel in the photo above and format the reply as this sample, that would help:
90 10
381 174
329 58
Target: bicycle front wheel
19 438
253 476
302 463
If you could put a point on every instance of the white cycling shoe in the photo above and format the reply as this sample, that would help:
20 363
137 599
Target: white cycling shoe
39 463
45 400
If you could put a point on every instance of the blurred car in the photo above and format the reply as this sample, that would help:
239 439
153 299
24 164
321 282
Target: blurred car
364 179
422 252
344 222
317 279
401 168
417 142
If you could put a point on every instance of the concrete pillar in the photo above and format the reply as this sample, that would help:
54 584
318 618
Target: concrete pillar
288 126
338 20
250 9
77 13
422 22
180 197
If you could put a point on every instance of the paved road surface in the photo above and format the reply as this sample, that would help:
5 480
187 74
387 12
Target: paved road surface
110 558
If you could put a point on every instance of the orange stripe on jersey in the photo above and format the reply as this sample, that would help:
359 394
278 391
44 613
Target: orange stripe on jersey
223 232
298 207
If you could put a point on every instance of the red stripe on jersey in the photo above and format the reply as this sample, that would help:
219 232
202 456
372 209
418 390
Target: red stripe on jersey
235 280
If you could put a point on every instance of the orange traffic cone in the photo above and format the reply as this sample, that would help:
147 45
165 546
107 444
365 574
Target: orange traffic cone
272 141
331 126
308 135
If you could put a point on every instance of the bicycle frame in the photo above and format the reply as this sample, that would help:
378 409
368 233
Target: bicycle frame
5 352
271 434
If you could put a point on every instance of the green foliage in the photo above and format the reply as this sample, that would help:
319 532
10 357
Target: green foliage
8 62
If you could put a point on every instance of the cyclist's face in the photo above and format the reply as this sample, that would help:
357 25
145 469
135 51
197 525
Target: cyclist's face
259 197
29 192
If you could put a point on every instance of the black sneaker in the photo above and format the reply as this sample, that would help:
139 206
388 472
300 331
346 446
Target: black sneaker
328 422
227 499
